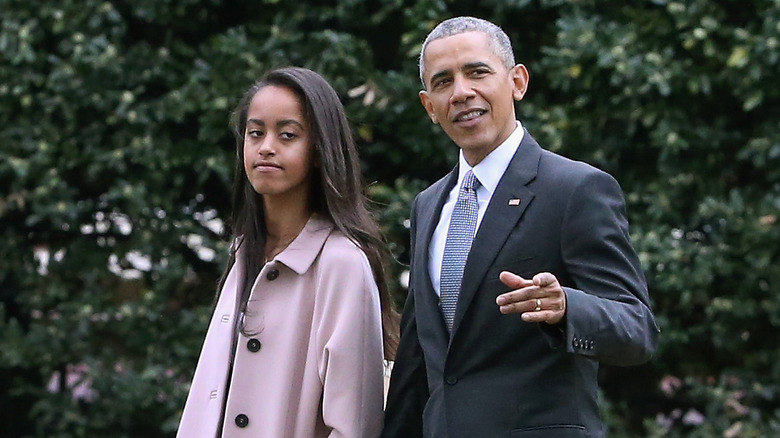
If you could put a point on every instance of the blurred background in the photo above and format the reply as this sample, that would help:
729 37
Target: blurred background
116 163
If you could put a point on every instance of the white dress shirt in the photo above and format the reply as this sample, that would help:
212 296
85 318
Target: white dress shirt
489 172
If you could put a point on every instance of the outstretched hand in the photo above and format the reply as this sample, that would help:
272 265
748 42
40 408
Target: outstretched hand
540 299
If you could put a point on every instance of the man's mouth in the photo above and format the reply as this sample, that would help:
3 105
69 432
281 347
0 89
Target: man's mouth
469 115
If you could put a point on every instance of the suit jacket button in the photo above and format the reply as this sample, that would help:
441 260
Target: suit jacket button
272 274
242 420
451 380
253 345
575 342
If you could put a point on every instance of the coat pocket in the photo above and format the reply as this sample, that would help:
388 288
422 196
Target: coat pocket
554 431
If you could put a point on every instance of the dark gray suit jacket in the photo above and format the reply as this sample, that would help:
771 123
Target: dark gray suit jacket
498 376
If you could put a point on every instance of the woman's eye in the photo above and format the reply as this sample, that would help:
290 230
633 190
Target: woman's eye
255 133
287 135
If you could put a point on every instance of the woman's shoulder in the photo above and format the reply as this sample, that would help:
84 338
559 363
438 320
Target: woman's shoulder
341 250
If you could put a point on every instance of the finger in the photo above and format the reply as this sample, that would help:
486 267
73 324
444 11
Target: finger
516 296
513 280
550 312
544 279
541 316
523 307
519 301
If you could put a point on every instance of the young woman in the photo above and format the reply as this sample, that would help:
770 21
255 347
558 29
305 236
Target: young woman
295 345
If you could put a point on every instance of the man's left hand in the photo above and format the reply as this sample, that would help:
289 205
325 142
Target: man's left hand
540 299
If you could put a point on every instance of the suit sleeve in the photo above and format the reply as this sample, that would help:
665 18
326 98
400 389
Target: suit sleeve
608 314
408 389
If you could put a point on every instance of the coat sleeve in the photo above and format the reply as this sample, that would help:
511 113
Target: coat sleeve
349 338
408 389
608 311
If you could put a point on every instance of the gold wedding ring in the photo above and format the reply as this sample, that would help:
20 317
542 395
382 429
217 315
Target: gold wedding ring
538 305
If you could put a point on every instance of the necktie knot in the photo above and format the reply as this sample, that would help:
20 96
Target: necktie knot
470 182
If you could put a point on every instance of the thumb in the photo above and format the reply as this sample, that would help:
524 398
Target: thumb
513 280
544 279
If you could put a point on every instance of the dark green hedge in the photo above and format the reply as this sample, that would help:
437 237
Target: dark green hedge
115 164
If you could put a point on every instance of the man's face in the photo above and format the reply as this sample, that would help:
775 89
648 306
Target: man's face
470 92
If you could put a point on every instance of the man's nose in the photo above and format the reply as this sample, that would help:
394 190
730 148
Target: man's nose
461 90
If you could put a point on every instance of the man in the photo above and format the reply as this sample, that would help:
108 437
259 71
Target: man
523 278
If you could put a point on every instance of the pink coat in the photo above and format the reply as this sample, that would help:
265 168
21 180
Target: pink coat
312 365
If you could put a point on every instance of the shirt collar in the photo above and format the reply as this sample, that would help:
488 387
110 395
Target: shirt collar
490 170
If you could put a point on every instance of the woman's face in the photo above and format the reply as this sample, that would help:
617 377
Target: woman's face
277 145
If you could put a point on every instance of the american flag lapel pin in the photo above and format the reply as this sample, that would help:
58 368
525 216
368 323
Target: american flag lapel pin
514 202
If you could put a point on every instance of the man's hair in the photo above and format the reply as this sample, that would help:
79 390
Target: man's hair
497 38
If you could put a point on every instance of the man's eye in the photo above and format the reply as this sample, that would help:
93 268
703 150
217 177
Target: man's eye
441 83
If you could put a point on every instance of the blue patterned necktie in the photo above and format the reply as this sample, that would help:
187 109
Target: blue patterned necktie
457 246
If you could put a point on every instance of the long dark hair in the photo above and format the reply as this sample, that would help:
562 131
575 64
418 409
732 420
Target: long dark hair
336 189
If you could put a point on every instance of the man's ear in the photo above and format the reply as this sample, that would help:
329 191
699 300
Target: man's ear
428 105
520 77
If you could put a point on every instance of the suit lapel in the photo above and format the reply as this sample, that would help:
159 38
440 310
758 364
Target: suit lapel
509 202
429 205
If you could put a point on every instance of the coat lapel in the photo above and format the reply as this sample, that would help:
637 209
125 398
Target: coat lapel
509 202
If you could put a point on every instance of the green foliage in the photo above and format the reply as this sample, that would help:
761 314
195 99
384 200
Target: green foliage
675 98
116 163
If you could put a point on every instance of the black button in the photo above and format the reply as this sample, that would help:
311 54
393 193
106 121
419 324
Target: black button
272 274
253 345
451 380
242 420
576 343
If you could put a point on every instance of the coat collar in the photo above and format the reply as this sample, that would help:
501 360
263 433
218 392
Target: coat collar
301 252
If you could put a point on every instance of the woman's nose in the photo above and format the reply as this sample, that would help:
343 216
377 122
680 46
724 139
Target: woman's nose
267 146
